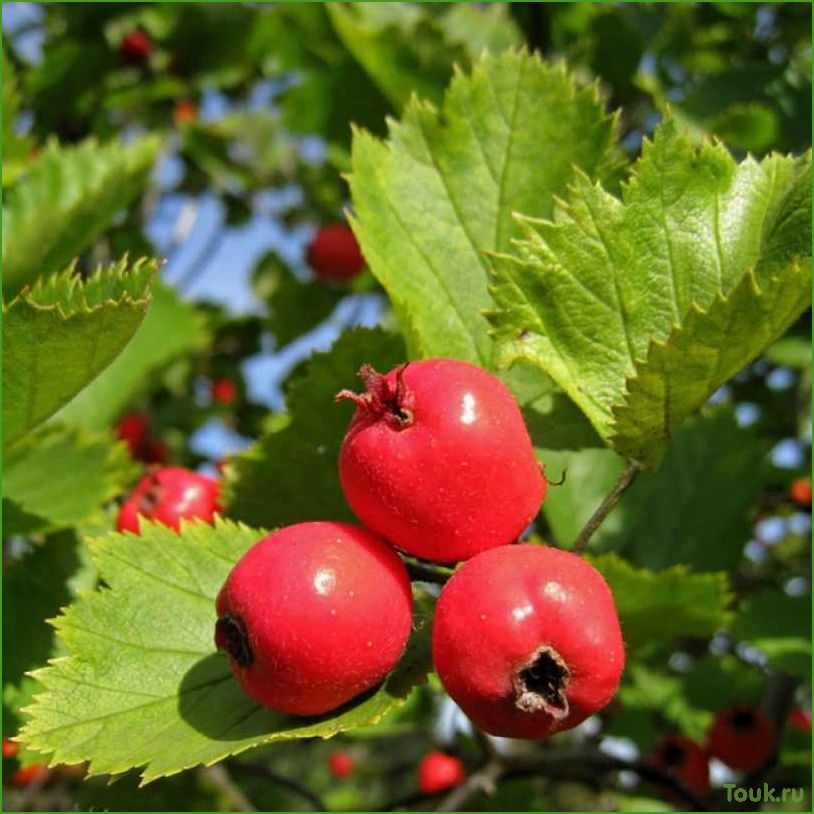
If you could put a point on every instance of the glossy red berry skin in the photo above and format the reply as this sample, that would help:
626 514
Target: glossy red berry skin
684 760
526 640
341 765
224 391
439 772
134 429
334 254
10 749
742 737
136 47
438 461
313 615
168 496
800 492
26 775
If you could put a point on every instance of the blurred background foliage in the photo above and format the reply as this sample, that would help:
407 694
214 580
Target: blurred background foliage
254 104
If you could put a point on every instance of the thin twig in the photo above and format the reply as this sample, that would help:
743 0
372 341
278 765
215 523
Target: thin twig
426 573
606 506
484 780
234 795
263 771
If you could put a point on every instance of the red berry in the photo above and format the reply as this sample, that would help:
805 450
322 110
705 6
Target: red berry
224 391
169 496
155 452
334 254
185 112
136 47
341 765
742 737
437 460
800 719
313 615
27 775
684 760
800 492
133 429
10 749
438 772
526 640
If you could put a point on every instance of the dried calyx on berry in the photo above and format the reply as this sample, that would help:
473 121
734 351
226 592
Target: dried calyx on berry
383 399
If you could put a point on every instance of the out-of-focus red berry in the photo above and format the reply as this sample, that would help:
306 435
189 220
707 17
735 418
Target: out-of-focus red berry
27 775
438 772
10 749
334 254
224 391
800 492
133 429
341 765
136 47
800 719
185 112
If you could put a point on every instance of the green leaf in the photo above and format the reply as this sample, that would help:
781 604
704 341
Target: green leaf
70 196
695 510
61 333
640 308
779 625
63 477
663 606
35 588
15 148
144 687
171 329
291 475
409 48
441 190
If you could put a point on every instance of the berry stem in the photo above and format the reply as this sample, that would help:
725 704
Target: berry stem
606 506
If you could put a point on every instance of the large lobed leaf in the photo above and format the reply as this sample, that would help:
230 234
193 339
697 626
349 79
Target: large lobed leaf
662 606
144 686
61 477
641 307
441 190
171 329
291 475
70 196
60 333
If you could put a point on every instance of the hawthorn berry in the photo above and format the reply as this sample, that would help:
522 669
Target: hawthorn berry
224 391
334 254
26 775
527 641
341 765
136 47
800 492
438 772
10 749
134 429
800 719
185 112
684 760
168 496
438 461
742 737
313 615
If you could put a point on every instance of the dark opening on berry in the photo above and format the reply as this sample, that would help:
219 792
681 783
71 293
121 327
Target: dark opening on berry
540 686
231 636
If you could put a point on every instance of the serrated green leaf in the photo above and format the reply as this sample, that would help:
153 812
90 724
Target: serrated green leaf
35 588
780 626
144 687
62 477
171 329
70 196
441 190
640 308
409 48
665 605
291 475
61 333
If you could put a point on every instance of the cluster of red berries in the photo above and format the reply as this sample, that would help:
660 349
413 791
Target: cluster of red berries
334 254
134 430
741 737
437 771
437 463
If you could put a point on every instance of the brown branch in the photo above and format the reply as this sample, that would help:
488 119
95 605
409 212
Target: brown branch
232 793
606 506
